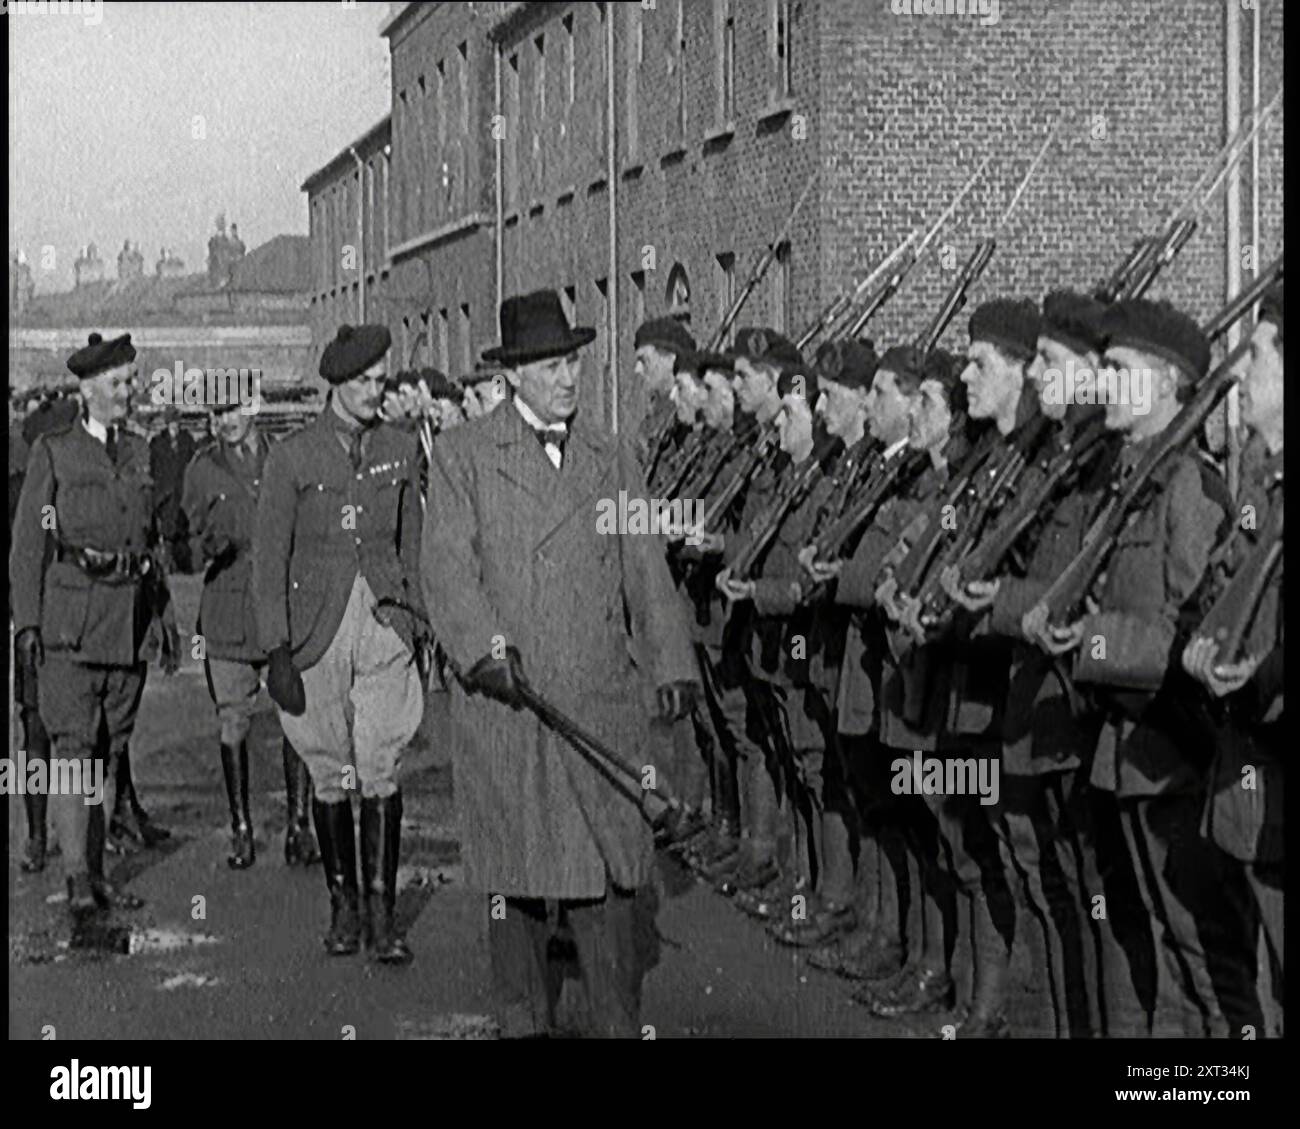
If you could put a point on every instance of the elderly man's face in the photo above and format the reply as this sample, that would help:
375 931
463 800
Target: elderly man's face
549 387
107 395
361 396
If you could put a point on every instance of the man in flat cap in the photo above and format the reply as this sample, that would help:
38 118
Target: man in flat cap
219 499
1246 824
1149 753
340 615
522 584
82 581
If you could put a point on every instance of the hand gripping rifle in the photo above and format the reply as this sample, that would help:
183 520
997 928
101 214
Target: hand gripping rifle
768 524
851 471
1228 621
1067 592
762 452
1151 255
881 478
699 485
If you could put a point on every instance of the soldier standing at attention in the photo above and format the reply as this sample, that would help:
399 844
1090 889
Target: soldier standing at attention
339 610
80 572
1151 752
660 344
521 583
220 504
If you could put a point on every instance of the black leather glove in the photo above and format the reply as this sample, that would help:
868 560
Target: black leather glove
29 648
498 678
284 683
676 699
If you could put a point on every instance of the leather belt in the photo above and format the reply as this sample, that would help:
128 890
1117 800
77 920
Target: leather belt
96 562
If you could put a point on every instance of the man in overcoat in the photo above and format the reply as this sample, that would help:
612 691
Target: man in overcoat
521 583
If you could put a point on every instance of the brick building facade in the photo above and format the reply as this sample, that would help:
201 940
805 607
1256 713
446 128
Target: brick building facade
494 173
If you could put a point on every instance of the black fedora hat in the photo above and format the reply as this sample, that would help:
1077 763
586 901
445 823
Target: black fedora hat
533 327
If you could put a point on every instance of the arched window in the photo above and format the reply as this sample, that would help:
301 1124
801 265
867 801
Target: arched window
677 297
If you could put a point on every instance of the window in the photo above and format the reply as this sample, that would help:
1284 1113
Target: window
638 298
780 289
440 107
635 56
779 46
602 352
677 63
724 281
444 346
540 44
426 336
512 126
466 340
463 76
570 63
725 16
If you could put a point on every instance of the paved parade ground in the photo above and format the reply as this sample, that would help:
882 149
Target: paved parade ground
253 966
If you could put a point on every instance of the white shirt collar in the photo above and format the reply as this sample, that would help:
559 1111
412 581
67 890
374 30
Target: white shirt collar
895 447
97 429
531 418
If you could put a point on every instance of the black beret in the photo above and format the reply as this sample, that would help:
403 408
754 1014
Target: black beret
1074 320
1159 329
946 368
99 355
1009 323
435 380
907 363
850 363
702 361
766 346
1270 306
353 350
668 334
795 382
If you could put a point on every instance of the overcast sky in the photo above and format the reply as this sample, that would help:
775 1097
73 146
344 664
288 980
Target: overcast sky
102 122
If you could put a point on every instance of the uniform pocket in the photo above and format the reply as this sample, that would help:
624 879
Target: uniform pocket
67 604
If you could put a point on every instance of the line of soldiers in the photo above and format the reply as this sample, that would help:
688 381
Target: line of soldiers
1122 778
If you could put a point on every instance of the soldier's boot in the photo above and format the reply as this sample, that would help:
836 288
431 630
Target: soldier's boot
130 820
299 841
33 860
339 854
82 903
106 895
991 959
234 766
381 839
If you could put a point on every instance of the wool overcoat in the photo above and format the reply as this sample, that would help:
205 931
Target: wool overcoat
513 554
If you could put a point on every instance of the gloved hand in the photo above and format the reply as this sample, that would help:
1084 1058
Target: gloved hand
676 699
498 678
29 648
284 683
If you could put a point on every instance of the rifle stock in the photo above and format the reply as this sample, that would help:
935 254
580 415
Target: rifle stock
1229 620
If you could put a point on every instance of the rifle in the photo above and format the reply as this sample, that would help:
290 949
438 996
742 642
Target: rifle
844 302
1228 621
881 479
692 452
699 485
853 465
979 258
763 451
760 269
1161 250
1068 590
998 476
769 523
984 559
891 284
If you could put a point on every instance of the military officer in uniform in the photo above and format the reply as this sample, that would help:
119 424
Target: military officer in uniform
219 500
339 613
521 584
81 574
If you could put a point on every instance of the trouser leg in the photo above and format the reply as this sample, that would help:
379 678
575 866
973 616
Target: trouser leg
37 747
525 988
610 961
1266 884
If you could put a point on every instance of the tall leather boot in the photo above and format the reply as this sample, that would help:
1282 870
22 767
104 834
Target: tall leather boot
33 860
992 960
299 842
339 854
381 839
234 765
130 820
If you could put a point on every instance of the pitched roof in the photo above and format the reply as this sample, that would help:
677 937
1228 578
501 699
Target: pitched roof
281 265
